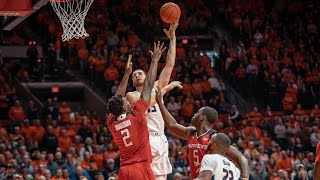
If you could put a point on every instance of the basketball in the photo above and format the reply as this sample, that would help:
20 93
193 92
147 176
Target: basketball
170 12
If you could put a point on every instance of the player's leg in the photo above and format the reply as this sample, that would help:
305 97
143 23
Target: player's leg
138 171
160 165
123 172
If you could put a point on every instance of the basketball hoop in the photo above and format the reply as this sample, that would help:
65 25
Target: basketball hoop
72 14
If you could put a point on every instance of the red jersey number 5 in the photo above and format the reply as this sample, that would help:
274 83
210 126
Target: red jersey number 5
125 137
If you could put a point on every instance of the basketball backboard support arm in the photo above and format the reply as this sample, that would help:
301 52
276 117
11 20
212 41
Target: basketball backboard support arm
11 24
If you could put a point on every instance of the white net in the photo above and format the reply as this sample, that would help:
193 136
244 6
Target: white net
72 14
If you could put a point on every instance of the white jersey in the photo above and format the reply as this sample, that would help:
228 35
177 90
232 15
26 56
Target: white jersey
154 117
160 165
220 167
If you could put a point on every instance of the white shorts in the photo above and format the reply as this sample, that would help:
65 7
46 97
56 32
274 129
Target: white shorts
160 154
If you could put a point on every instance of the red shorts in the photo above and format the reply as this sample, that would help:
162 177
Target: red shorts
139 171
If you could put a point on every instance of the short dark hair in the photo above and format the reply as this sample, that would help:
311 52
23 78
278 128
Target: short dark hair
140 70
115 105
210 113
223 140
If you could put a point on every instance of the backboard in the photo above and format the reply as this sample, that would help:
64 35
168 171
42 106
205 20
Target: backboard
13 12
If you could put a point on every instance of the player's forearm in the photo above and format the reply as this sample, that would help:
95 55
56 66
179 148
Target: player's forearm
240 160
316 171
166 89
165 74
244 166
171 56
149 82
123 85
152 74
167 117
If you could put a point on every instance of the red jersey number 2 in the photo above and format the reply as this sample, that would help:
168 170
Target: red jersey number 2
126 137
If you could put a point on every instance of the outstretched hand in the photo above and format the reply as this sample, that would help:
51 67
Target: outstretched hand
172 30
158 95
128 69
157 51
175 84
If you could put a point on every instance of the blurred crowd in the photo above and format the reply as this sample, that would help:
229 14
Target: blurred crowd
276 58
275 62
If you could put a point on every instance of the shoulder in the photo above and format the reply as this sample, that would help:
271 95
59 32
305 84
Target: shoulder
192 133
132 94
132 97
110 119
212 157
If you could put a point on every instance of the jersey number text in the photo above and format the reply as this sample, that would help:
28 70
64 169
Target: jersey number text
125 137
229 174
152 109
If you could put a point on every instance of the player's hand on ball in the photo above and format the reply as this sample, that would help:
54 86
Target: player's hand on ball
128 69
175 84
157 51
172 30
158 95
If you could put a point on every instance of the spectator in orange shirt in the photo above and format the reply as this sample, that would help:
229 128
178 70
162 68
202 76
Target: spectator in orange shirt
64 112
205 85
315 111
97 157
16 112
99 67
58 175
255 115
288 102
196 87
110 153
37 132
277 155
299 110
85 163
187 109
26 129
3 134
187 87
111 74
285 163
65 142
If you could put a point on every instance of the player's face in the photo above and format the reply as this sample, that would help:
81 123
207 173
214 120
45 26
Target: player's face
138 78
211 145
196 117
126 104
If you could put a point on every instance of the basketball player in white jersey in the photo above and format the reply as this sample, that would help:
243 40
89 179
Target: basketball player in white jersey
214 164
159 145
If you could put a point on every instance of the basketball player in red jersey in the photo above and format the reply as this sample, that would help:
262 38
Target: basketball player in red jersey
198 136
128 126
316 169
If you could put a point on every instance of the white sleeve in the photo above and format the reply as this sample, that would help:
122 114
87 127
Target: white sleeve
209 163
238 174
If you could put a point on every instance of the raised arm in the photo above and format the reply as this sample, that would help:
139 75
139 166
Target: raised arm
124 82
165 74
175 128
171 86
152 73
240 160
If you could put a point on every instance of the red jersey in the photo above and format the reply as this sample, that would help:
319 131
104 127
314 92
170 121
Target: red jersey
130 133
318 153
197 147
